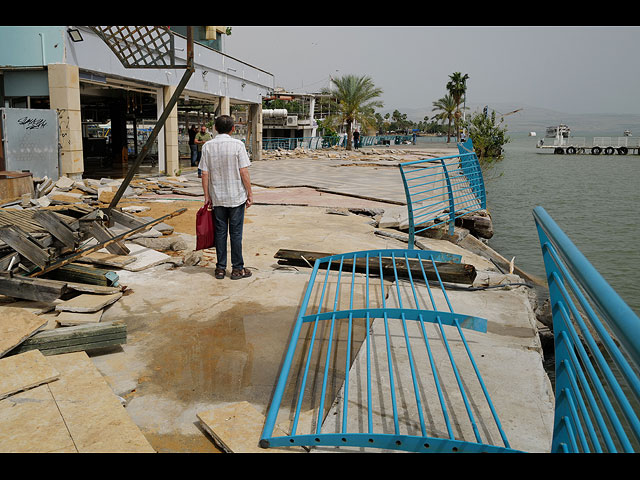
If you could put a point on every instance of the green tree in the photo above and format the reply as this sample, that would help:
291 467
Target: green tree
356 99
446 108
488 136
457 87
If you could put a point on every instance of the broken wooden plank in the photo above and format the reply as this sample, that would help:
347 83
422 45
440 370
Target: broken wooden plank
94 248
85 274
39 289
24 244
102 234
126 219
448 272
56 227
75 339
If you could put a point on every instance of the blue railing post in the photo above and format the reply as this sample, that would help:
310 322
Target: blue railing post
452 205
412 228
597 382
423 182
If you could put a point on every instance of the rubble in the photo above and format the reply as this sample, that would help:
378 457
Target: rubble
62 246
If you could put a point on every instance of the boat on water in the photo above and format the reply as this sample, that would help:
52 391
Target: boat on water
558 131
563 142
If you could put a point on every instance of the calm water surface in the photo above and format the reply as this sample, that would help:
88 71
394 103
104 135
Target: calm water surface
595 199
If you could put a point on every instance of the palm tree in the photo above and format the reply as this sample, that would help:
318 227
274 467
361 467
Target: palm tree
356 100
457 87
446 108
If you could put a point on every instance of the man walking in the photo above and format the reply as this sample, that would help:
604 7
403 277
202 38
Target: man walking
226 184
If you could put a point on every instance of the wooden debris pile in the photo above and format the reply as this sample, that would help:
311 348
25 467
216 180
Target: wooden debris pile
58 263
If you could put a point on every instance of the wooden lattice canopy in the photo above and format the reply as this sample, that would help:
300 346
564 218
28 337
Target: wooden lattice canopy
140 47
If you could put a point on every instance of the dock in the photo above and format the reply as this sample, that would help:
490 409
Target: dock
598 146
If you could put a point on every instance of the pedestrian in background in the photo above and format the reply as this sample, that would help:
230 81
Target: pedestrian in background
192 146
201 138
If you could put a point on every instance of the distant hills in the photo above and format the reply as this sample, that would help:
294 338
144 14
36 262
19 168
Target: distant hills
535 119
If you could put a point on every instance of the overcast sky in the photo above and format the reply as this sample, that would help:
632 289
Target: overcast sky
569 69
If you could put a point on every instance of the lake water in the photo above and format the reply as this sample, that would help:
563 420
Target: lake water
595 199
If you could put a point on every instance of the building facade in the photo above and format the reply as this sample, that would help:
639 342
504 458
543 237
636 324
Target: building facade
74 71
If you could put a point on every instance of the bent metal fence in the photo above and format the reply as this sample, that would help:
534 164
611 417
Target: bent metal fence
597 351
416 387
439 190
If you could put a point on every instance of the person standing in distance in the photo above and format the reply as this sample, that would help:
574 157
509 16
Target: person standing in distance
192 145
226 184
201 138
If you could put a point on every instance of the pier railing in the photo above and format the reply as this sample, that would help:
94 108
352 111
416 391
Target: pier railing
439 190
315 143
597 351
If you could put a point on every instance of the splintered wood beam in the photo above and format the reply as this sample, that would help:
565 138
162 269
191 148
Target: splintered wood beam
55 227
75 338
80 253
102 234
25 245
449 272
37 289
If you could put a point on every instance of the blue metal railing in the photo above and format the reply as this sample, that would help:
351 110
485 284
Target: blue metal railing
387 411
314 143
597 351
439 190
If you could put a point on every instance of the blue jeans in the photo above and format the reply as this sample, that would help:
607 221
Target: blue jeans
194 155
229 219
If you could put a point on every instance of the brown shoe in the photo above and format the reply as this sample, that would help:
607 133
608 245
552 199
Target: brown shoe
220 273
241 273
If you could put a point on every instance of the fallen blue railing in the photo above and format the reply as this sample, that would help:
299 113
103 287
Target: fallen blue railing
597 351
439 190
380 408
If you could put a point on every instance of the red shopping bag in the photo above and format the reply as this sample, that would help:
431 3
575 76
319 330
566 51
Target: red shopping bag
204 227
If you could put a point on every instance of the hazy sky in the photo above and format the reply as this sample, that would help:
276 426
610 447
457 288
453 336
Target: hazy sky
570 69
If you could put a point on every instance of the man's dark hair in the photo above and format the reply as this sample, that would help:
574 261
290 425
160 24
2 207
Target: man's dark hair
224 124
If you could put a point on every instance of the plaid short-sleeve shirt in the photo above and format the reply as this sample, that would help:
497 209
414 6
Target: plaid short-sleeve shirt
222 158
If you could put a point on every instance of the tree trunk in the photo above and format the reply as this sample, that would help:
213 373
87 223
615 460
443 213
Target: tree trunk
349 134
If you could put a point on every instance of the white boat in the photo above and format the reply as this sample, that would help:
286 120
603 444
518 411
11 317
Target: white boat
627 133
532 134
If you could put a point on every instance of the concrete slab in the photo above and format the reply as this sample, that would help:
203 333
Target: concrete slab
16 325
237 428
508 354
24 371
87 303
